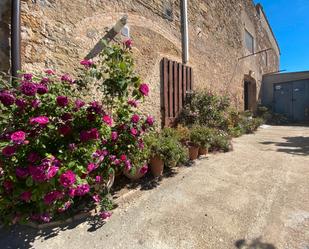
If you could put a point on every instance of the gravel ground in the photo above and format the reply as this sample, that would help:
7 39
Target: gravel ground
254 197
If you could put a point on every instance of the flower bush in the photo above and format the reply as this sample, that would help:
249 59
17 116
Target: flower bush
201 136
48 141
205 108
167 146
123 92
58 150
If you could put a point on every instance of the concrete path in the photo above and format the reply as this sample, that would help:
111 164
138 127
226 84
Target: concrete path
254 197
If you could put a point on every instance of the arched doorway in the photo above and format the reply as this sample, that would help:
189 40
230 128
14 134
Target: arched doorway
250 99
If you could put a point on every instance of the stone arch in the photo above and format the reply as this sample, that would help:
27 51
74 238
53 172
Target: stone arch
250 93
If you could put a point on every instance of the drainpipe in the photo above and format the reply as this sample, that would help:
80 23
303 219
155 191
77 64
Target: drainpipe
185 31
15 38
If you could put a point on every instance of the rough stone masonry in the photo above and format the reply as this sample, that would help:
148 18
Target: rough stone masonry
58 34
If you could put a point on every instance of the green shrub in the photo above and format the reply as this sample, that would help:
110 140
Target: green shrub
271 118
182 133
167 147
201 136
220 141
205 108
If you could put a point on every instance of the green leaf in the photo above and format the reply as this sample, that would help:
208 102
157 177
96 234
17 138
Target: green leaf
29 181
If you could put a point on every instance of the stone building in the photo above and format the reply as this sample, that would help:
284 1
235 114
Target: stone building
223 35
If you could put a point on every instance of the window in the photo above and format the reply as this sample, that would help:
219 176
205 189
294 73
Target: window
249 40
168 10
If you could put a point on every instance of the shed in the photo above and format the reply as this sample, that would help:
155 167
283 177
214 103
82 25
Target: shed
287 94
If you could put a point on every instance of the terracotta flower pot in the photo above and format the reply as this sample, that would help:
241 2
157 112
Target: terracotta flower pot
133 177
193 152
157 166
202 151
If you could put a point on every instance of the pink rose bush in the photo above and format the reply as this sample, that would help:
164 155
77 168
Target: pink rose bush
46 145
57 150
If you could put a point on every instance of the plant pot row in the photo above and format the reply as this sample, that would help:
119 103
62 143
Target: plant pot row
157 164
195 152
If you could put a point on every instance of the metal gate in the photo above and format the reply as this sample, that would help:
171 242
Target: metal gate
292 100
177 82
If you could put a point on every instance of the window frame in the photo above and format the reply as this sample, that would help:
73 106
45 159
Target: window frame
249 35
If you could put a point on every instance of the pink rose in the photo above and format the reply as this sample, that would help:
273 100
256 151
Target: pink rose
44 81
143 170
98 179
66 78
67 179
18 137
49 72
94 134
6 98
26 196
22 172
150 120
8 185
27 76
62 101
64 130
144 89
52 196
52 171
105 215
127 165
79 104
35 103
42 89
21 103
96 198
45 217
28 88
123 158
133 131
114 136
86 63
128 43
135 118
108 120
133 102
91 167
82 189
38 173
9 151
71 192
42 120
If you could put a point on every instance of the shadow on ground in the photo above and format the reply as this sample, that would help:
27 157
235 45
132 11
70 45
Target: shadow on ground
292 145
254 244
148 182
22 237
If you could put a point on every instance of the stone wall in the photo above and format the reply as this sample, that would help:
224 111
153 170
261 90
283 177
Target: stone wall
58 34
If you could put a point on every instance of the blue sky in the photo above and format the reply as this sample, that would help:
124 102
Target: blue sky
290 23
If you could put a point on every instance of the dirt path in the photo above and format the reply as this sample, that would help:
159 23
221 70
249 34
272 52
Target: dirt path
254 197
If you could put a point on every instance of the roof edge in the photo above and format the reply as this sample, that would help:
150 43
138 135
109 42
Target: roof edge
259 6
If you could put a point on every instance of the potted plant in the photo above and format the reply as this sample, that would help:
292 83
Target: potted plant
154 144
136 171
165 149
201 136
183 134
135 165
